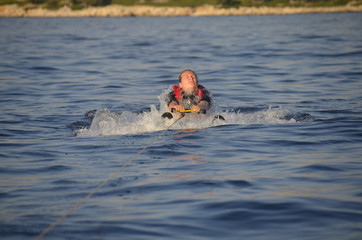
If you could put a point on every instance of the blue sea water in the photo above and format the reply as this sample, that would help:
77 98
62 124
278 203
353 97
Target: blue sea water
80 97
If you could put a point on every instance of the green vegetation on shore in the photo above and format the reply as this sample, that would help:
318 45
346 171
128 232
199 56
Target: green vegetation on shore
80 4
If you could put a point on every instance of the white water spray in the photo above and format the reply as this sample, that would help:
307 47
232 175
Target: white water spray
106 122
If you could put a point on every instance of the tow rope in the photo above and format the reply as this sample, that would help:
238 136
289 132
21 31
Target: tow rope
89 195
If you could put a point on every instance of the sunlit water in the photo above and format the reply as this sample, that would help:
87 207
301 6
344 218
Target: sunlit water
81 97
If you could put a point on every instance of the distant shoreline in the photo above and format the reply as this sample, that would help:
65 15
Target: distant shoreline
148 11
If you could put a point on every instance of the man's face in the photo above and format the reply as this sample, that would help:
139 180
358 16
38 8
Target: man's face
189 81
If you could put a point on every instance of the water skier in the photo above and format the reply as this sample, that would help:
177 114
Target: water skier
188 95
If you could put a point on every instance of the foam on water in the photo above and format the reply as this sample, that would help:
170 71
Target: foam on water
106 122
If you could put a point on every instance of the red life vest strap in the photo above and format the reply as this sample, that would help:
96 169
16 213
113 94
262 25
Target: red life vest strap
177 91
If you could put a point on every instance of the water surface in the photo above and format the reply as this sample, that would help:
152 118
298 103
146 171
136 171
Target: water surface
286 163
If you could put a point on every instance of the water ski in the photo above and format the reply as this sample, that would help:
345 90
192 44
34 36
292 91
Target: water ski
167 115
218 117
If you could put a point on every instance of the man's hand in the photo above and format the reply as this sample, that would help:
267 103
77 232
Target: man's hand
195 109
176 107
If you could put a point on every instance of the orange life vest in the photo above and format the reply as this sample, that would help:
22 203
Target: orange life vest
178 94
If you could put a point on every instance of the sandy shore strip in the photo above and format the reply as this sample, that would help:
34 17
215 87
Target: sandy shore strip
147 11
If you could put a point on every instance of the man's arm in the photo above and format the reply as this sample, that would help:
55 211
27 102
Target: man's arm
205 102
175 105
204 105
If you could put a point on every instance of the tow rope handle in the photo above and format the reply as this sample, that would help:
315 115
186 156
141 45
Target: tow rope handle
202 111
